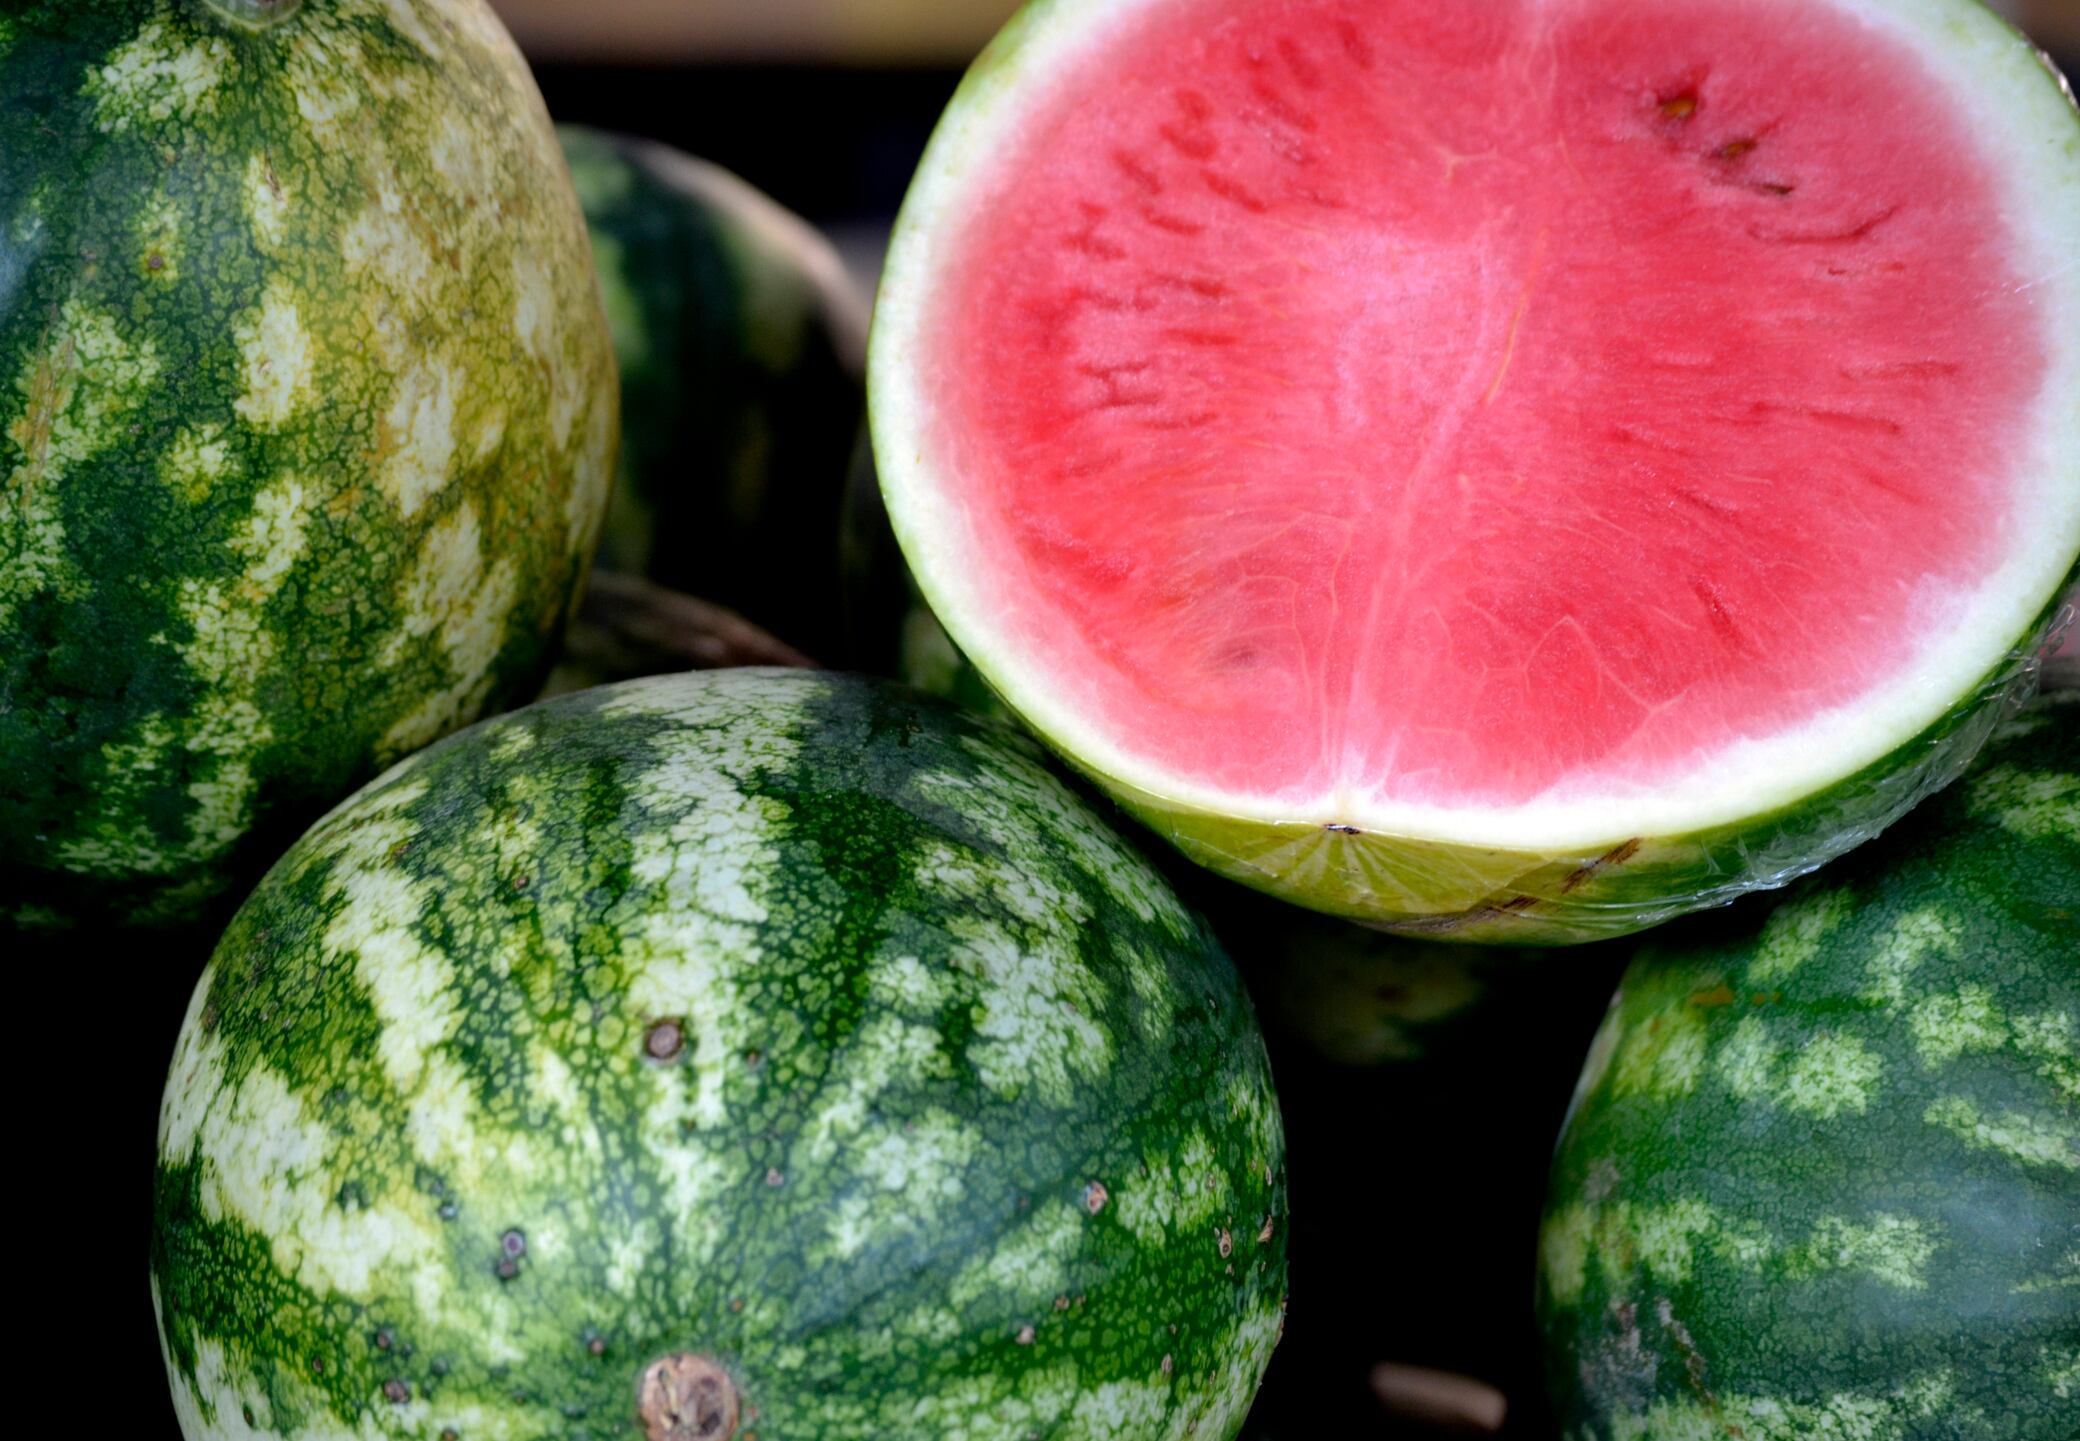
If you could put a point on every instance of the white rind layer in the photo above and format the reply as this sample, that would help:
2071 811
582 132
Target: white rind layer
2024 120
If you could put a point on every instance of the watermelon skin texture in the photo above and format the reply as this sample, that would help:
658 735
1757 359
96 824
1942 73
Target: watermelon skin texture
742 347
307 423
1822 1174
966 1128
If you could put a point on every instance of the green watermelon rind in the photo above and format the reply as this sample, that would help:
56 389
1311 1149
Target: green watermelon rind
742 345
967 1128
307 423
1822 1173
1551 888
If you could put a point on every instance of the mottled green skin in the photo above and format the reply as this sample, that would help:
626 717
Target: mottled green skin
927 999
742 345
307 423
1822 1175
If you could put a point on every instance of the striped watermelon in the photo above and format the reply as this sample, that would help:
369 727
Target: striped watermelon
307 421
1822 1176
742 344
778 1051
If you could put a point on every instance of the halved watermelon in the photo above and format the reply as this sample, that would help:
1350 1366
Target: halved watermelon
1514 471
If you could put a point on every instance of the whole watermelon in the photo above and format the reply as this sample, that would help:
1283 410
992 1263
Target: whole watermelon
1822 1176
307 421
742 343
784 1052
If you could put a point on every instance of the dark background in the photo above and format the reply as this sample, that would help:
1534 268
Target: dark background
1415 1188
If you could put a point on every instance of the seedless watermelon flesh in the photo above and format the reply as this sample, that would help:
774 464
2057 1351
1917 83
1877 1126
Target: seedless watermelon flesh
1511 470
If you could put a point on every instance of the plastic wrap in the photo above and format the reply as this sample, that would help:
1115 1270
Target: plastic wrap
2062 670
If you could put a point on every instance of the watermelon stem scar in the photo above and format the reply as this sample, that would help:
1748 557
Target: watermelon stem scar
684 1397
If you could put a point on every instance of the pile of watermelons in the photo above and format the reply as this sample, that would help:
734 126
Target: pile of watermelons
1533 493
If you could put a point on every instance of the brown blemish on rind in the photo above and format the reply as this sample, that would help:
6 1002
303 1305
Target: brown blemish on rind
684 1397
1695 1370
664 1040
1095 1196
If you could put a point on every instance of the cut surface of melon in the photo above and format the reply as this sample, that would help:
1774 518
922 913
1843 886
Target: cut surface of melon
1527 424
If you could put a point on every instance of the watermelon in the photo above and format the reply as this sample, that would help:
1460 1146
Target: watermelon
1822 1174
785 1050
1515 471
307 423
1360 997
742 344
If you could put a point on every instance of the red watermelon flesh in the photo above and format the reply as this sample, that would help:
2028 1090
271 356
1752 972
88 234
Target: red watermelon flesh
1453 402
1516 470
